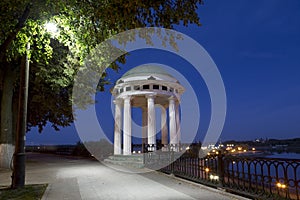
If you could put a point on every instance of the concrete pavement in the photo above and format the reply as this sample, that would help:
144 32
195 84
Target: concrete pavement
75 178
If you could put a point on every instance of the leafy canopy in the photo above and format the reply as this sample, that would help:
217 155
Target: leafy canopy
82 24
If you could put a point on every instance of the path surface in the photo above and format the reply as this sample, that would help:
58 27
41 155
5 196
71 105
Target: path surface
74 178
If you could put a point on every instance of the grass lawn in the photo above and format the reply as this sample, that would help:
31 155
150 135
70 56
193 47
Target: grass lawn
29 192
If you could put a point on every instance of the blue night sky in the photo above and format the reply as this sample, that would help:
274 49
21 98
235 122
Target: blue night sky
255 45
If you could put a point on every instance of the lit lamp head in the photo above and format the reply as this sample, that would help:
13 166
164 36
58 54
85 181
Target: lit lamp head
51 28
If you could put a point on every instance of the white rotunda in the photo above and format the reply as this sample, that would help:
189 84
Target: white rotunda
147 86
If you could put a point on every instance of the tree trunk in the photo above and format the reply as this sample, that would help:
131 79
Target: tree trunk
6 123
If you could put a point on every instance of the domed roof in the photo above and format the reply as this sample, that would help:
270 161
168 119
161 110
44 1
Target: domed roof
146 70
146 79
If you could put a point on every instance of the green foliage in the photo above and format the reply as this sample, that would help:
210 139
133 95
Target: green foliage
55 59
39 39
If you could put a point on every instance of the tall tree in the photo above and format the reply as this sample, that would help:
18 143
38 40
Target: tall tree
56 59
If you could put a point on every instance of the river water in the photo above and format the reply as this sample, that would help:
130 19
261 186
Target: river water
284 155
280 169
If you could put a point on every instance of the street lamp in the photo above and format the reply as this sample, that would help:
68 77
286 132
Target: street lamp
51 28
18 176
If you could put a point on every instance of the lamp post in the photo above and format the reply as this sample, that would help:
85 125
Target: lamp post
18 176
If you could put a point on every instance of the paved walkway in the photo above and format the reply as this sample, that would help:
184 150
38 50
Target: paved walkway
73 178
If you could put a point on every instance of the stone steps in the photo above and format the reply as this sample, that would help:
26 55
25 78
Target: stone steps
136 161
153 160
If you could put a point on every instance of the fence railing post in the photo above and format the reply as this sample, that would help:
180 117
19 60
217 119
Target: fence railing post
220 169
172 162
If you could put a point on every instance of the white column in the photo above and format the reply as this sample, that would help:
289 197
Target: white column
178 123
127 126
117 136
164 128
151 122
172 123
144 127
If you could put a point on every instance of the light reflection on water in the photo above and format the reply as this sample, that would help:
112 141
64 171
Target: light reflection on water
277 169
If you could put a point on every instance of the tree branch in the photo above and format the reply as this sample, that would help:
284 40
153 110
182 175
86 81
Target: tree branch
13 34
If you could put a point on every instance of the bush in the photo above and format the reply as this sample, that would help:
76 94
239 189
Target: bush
100 149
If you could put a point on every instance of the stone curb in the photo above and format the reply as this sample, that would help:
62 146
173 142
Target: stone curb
46 193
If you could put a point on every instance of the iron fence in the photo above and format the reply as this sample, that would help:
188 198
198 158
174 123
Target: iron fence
255 177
